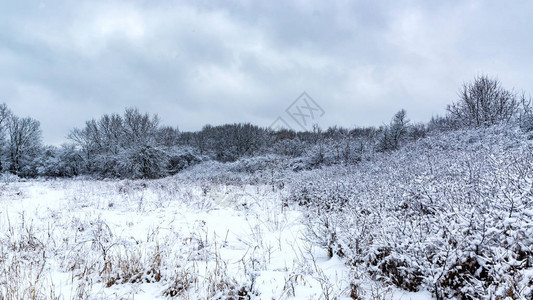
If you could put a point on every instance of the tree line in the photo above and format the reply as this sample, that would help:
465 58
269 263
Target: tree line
135 145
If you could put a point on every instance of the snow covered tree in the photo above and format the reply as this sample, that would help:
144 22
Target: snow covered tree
168 136
4 115
484 102
143 161
526 113
230 141
440 123
63 161
111 133
394 133
24 144
139 129
122 146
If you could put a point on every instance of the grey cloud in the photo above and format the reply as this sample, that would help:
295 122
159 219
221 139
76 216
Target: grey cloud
245 61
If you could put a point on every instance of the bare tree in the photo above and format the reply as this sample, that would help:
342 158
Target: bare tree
139 129
484 102
24 142
526 113
118 145
168 136
394 133
4 114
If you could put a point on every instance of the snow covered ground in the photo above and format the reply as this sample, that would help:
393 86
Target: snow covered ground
157 239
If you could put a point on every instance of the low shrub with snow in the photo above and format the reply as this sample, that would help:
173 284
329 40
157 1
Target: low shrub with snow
451 213
8 177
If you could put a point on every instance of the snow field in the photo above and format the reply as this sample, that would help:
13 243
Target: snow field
156 239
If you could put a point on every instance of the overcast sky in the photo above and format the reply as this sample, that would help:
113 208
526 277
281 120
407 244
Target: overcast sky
197 63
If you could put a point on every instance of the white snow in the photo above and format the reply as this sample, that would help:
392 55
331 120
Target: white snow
57 233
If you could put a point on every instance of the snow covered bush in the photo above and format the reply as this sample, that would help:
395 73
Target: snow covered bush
8 177
143 162
450 213
182 158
